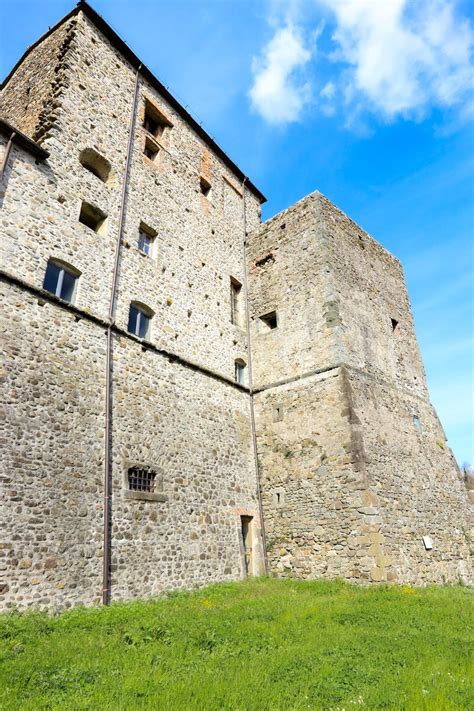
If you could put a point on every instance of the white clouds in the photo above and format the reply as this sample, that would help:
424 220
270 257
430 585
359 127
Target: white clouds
403 56
278 94
387 57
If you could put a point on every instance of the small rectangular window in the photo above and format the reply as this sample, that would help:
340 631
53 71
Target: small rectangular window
141 479
236 295
417 422
268 322
154 121
240 372
151 150
92 217
138 321
61 281
146 240
205 188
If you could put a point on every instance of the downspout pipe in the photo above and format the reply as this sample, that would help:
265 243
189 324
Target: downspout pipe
107 542
250 379
6 155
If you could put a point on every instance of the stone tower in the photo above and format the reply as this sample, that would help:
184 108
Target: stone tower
357 480
139 449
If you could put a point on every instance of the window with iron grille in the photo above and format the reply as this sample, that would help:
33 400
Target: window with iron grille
141 479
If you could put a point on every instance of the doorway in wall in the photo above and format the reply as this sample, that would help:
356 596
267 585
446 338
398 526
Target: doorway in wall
246 523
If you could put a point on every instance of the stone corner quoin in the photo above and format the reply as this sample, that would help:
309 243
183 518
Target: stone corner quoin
127 330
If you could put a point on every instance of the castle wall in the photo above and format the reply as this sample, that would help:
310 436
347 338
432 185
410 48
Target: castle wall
190 427
30 98
416 481
350 485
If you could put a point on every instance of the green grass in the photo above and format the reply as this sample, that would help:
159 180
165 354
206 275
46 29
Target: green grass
261 644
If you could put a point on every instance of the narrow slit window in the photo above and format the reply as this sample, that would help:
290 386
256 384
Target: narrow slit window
139 320
240 372
394 323
92 217
236 295
268 322
417 422
61 280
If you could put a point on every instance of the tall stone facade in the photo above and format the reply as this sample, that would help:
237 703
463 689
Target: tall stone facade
111 181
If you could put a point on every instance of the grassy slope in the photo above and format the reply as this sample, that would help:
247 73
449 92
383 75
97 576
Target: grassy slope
262 644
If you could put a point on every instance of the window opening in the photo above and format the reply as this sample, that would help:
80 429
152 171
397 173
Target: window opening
205 188
154 122
95 164
139 321
60 280
146 239
394 324
92 217
246 528
417 422
151 150
268 322
235 302
240 372
141 479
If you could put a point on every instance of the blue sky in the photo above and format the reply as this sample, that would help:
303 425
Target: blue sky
369 102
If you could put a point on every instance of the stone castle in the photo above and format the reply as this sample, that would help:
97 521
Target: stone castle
190 395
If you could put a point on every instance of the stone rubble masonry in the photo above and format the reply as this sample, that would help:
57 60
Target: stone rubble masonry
349 485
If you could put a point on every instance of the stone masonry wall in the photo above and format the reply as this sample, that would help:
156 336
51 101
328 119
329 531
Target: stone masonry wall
192 427
32 96
363 510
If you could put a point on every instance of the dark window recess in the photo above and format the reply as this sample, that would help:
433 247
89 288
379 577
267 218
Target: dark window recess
394 324
138 321
95 164
235 302
154 122
141 479
205 187
151 150
92 217
268 322
60 280
267 259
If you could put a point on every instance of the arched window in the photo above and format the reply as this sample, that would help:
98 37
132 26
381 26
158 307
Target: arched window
95 163
61 280
139 319
240 371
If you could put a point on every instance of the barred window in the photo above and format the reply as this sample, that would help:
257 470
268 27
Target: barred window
141 479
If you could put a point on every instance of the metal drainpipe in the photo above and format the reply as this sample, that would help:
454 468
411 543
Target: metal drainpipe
109 359
6 155
250 378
